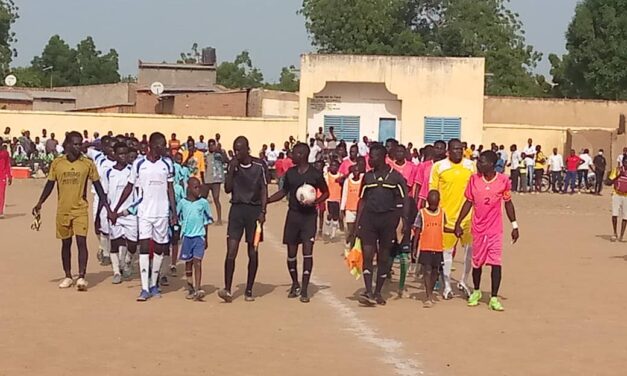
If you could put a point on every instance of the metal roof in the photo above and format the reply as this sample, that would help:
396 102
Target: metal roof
59 95
143 64
15 96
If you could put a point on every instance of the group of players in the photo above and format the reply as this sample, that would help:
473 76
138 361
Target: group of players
146 200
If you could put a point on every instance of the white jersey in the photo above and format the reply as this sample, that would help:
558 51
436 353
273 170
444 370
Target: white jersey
114 182
94 155
151 179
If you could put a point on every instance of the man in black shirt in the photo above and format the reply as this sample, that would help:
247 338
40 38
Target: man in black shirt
247 182
599 164
300 224
383 193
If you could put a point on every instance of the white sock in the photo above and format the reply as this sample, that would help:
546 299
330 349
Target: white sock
165 264
129 257
105 245
157 260
123 256
334 226
448 264
327 225
115 263
144 266
467 264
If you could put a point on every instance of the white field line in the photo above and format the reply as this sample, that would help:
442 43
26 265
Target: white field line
391 350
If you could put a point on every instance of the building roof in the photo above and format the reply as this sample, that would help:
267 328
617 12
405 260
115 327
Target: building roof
143 64
58 95
15 96
199 89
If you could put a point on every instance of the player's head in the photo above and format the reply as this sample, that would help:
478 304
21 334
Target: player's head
625 160
554 151
191 145
131 156
193 188
241 148
486 162
72 144
439 150
334 166
106 145
178 158
360 165
157 144
377 156
455 150
300 154
211 145
121 153
433 199
353 153
319 165
390 144
572 152
428 153
400 153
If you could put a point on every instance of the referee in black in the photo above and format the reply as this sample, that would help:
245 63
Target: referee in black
384 201
247 182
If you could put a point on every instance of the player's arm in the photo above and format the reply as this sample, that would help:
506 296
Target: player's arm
511 214
462 214
44 196
264 197
173 217
324 189
102 197
228 179
344 196
281 193
126 193
406 211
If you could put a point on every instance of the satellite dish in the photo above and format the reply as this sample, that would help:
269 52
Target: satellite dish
157 88
10 80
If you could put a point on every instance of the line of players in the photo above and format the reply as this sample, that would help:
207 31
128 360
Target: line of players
143 198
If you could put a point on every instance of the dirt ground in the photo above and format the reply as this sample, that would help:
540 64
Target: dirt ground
563 290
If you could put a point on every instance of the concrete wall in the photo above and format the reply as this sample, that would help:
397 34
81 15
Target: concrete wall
177 77
554 112
426 86
115 109
273 104
369 101
15 105
211 104
508 134
53 104
106 95
259 131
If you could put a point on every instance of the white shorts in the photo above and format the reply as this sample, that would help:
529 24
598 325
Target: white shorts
350 216
104 221
125 227
155 229
619 206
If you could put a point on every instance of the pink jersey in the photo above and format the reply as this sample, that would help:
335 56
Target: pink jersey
487 198
345 166
422 176
407 170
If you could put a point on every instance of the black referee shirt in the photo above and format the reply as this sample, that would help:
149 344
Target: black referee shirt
384 191
294 179
248 181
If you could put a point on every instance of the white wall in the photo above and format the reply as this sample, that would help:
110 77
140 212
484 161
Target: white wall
369 101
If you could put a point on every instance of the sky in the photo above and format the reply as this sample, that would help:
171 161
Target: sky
273 32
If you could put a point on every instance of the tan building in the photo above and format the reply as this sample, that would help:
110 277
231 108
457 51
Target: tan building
32 99
176 75
413 99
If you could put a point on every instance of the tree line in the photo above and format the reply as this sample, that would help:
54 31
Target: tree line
594 66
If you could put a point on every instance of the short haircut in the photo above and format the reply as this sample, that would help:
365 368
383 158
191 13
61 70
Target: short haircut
441 142
378 148
211 141
243 139
491 156
156 136
301 145
392 140
70 135
452 141
119 145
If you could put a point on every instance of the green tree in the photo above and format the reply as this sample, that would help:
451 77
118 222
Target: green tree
595 65
478 28
58 60
240 73
8 16
96 68
287 81
192 57
28 77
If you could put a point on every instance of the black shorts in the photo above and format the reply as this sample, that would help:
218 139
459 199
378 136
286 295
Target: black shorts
299 228
538 173
435 259
334 210
242 218
378 228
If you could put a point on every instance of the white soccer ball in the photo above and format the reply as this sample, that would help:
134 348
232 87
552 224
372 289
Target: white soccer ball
306 194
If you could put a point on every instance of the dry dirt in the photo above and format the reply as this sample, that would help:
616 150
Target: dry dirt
563 289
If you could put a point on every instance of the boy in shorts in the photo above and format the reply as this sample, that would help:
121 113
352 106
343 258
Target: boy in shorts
332 178
194 215
70 172
430 228
350 197
300 223
322 206
124 232
485 193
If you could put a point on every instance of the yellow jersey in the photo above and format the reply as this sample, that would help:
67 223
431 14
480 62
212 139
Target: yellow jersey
71 179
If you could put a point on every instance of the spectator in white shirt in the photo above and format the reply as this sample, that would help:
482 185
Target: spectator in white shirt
513 164
363 146
315 151
272 155
530 152
556 165
582 170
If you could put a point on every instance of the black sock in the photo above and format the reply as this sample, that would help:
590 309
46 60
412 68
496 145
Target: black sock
307 268
229 269
292 265
476 277
382 275
253 262
496 279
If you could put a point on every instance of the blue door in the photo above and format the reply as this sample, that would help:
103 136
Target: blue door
387 129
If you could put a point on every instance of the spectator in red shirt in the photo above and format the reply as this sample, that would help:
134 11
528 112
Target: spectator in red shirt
572 164
282 165
5 174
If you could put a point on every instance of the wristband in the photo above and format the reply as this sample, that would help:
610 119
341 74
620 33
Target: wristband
515 225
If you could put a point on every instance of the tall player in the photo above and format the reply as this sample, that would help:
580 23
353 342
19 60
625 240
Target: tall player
450 177
154 176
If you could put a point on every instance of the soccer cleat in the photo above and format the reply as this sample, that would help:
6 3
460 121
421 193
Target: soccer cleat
495 304
127 272
447 294
248 296
294 292
190 291
304 298
379 299
464 289
66 283
474 298
154 292
117 279
163 281
367 299
81 284
225 295
173 270
199 295
106 261
143 296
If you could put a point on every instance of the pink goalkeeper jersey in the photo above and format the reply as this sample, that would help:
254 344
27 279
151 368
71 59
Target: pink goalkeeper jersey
407 170
422 176
487 198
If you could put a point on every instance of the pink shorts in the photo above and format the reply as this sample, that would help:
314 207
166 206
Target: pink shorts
487 249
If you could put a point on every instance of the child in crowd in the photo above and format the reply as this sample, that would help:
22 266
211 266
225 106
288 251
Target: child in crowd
522 168
195 216
332 177
350 197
